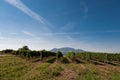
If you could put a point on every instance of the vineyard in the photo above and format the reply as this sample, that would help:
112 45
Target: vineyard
18 66
33 54
26 53
111 58
26 64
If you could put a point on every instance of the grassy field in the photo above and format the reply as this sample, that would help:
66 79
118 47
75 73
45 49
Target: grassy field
16 68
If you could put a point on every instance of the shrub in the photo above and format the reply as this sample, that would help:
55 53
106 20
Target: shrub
59 54
7 51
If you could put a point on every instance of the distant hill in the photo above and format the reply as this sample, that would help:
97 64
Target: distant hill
64 50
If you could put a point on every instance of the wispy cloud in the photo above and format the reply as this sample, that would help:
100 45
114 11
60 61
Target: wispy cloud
68 26
13 33
18 4
59 34
112 31
84 8
28 33
45 25
1 37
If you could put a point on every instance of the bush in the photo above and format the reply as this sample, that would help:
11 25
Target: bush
7 51
59 55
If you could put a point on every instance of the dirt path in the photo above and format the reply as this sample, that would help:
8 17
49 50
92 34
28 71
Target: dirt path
68 74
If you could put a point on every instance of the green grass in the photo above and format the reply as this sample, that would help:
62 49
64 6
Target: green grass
87 74
48 70
114 76
12 67
16 68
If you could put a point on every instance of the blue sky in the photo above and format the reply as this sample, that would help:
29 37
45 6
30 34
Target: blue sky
92 25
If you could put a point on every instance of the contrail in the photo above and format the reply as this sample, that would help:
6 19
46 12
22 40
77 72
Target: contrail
18 4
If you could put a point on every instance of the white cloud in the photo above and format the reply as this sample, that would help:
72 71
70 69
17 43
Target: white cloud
28 33
69 26
25 9
38 43
1 37
59 33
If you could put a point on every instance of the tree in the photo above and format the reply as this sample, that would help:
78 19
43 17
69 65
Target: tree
24 48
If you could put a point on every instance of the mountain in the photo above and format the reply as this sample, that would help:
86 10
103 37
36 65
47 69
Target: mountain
67 49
